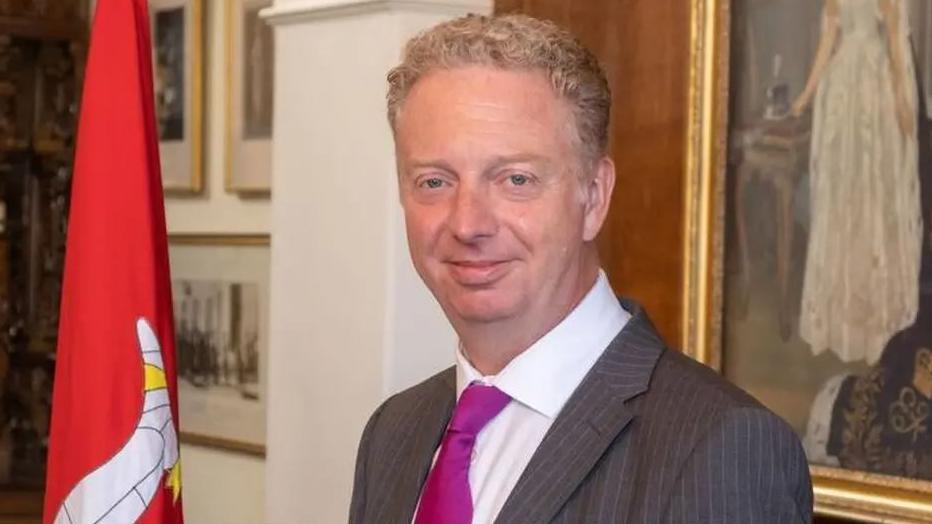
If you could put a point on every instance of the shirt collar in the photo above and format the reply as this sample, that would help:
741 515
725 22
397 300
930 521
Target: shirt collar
545 375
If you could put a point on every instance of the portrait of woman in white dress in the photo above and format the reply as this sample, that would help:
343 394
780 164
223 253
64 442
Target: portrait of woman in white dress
827 286
861 282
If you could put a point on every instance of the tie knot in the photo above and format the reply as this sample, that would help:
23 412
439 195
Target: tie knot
477 405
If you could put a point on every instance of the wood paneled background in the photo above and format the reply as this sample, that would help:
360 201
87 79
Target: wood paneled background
644 47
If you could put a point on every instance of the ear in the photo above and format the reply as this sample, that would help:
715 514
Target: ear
598 195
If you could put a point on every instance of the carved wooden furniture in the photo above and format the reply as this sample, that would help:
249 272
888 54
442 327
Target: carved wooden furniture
42 47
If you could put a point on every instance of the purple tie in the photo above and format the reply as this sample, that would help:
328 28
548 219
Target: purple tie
446 498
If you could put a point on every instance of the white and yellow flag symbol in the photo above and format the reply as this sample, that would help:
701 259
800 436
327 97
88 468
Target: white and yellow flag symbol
120 490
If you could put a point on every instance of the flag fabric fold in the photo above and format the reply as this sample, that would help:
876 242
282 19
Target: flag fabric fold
113 449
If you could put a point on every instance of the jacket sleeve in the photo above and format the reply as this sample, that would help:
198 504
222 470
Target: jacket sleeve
749 467
360 480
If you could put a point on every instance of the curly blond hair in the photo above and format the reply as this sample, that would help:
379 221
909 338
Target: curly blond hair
513 42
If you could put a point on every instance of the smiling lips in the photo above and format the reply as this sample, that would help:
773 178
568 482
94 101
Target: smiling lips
477 272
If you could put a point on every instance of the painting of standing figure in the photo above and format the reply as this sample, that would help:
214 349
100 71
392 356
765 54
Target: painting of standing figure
827 263
862 262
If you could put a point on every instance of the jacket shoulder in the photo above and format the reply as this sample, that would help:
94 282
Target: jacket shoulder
685 402
680 376
399 409
712 427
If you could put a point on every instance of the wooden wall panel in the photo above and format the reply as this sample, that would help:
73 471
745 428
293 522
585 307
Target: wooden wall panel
644 47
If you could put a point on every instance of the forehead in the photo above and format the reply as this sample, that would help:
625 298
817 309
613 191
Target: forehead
481 101
473 83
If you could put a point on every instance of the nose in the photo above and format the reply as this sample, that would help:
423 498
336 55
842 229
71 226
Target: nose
472 217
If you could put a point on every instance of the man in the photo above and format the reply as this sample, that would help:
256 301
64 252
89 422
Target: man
564 404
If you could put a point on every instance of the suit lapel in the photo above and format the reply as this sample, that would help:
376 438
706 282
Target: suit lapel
589 422
420 444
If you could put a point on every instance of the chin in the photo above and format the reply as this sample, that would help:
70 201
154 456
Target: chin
479 307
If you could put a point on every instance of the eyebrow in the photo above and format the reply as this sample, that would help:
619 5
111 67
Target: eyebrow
438 164
518 158
496 162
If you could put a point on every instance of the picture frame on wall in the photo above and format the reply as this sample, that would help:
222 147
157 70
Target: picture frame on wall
250 98
177 61
809 235
220 293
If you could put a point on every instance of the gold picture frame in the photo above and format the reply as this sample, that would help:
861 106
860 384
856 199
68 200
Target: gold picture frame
249 99
838 492
178 78
214 411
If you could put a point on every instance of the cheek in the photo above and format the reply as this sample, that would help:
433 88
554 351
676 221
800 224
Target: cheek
422 227
559 229
545 229
562 218
523 222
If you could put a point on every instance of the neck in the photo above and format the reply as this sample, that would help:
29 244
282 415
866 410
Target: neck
491 346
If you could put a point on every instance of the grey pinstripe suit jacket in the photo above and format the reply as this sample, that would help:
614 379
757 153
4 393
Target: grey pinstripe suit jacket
648 436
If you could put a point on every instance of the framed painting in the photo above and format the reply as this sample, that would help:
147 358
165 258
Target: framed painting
220 292
177 61
249 97
809 234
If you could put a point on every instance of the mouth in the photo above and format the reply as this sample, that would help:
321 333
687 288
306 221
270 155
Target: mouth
476 273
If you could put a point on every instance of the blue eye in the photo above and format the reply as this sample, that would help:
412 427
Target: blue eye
432 183
519 180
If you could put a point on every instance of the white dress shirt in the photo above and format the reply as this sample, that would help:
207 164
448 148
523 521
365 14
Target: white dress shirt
540 381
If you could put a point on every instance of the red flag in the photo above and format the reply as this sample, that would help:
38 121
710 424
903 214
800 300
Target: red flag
113 451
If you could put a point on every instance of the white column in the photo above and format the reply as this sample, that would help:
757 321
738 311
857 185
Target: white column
350 320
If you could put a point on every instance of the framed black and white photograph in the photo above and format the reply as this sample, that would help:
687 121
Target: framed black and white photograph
250 97
220 296
177 61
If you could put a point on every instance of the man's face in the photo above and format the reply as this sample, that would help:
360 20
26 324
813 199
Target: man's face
496 211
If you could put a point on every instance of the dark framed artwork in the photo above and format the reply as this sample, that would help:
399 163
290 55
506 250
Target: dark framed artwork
809 223
177 61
